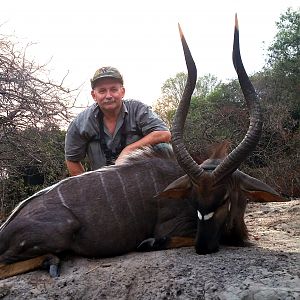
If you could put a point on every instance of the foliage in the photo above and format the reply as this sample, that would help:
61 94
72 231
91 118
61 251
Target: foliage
283 67
172 91
25 175
221 113
278 150
284 51
280 86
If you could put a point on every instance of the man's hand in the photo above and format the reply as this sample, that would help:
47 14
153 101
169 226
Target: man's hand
127 150
74 167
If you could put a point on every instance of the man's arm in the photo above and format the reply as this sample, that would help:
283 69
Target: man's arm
153 138
74 168
75 149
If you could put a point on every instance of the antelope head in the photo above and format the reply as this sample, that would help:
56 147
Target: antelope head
217 189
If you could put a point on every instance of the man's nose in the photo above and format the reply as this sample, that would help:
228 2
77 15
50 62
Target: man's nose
108 94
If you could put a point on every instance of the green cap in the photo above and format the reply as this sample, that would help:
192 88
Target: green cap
106 72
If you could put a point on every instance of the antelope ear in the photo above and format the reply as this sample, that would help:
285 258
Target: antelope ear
261 196
178 189
257 190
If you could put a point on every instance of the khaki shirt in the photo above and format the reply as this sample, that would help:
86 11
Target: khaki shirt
83 135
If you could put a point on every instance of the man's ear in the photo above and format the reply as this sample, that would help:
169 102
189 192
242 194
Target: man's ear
123 91
178 189
93 94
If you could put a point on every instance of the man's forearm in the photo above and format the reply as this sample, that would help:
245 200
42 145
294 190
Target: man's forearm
152 138
75 168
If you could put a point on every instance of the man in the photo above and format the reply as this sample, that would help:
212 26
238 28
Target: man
111 128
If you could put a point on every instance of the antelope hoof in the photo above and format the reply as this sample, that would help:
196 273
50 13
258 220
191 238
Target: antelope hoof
54 271
52 264
152 244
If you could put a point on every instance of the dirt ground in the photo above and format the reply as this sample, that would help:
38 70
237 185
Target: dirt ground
268 270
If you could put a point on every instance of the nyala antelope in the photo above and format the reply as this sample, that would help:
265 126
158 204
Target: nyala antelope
158 198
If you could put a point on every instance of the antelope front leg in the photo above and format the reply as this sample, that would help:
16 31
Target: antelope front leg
49 260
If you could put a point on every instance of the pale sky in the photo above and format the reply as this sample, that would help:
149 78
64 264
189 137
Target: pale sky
141 38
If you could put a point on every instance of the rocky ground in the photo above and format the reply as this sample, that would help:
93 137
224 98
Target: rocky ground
268 270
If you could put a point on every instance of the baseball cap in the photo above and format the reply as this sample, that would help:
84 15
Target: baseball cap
106 72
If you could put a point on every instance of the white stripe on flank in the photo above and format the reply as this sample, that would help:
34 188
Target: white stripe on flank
104 187
61 197
154 181
109 202
126 197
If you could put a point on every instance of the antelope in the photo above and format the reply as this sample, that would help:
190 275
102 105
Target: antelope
156 199
216 189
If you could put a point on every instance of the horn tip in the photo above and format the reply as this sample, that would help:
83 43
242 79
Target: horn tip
180 31
236 22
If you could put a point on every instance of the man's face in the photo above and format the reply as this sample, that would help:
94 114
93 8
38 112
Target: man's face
108 93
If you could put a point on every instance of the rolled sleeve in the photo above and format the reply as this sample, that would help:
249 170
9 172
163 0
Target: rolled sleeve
75 144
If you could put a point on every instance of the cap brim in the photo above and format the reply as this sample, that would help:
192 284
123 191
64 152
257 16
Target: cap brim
106 76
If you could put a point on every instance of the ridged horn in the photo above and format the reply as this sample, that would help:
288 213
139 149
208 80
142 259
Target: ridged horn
251 139
183 157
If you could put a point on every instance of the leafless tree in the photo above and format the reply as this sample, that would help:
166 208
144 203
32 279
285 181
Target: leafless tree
33 108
